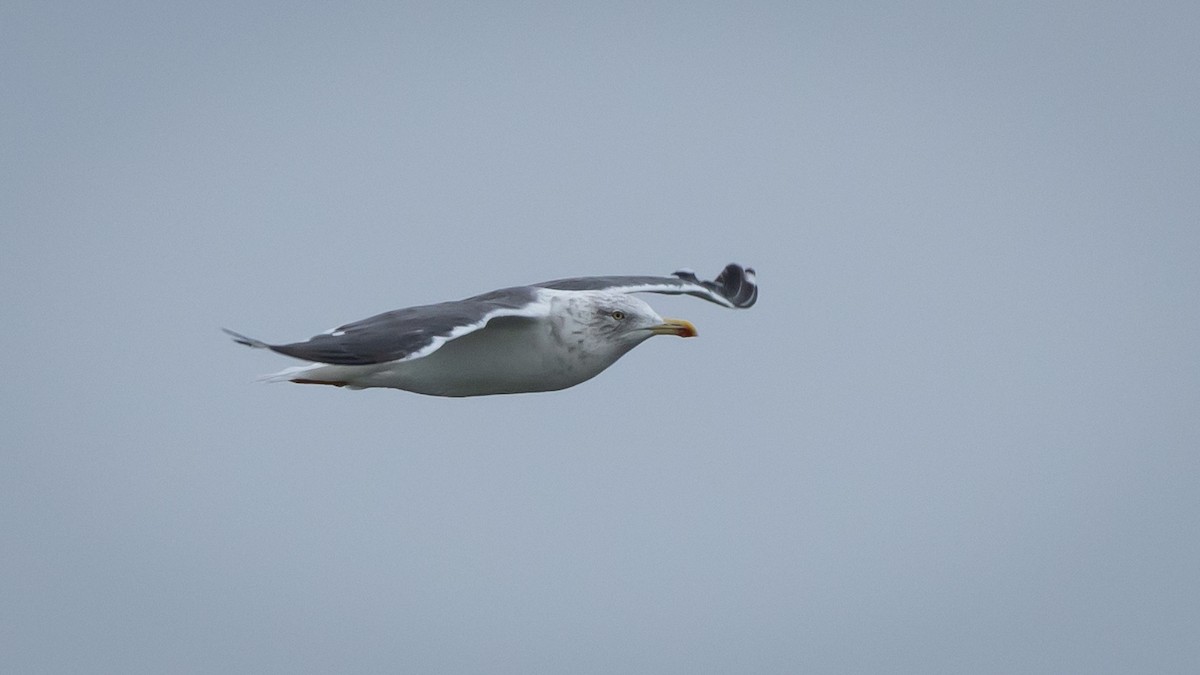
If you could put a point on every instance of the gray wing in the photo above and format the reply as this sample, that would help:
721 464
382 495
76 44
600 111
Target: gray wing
734 287
411 333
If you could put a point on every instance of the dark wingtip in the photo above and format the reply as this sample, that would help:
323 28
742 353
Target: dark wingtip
248 341
739 285
735 283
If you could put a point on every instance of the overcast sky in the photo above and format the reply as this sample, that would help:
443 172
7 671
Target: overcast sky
959 432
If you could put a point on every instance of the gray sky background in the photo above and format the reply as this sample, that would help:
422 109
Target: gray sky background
958 434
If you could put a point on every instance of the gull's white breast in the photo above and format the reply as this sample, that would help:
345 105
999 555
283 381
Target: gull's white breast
510 355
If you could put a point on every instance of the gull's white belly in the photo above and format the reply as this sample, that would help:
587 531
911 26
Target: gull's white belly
504 358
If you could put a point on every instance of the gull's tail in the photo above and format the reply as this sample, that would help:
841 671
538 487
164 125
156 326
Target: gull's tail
283 376
313 373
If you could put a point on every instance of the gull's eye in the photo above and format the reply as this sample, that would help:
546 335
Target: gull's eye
617 314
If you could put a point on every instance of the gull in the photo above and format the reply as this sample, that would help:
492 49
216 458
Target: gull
541 337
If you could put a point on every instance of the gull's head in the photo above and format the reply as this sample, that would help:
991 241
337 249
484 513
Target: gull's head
625 319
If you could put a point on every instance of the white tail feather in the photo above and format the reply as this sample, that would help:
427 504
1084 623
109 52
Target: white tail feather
287 374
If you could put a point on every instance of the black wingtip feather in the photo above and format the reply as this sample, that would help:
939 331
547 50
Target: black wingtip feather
735 283
739 285
248 341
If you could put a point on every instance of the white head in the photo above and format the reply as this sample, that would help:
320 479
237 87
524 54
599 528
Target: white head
592 329
625 320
